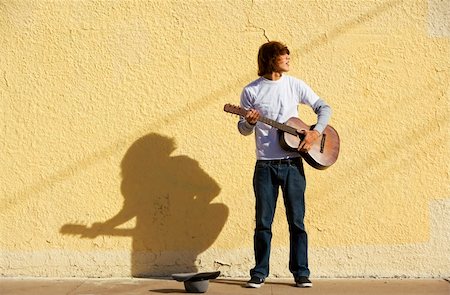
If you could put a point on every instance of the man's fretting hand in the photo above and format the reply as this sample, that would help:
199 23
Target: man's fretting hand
252 116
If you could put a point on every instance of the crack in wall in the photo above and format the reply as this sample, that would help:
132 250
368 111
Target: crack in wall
251 25
263 30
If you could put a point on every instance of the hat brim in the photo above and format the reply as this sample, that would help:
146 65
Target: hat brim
200 276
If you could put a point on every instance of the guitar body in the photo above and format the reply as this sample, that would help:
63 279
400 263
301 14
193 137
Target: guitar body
323 153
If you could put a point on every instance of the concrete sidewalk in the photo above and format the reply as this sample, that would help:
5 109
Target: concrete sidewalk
47 286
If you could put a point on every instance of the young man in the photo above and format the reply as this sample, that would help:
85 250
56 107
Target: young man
276 95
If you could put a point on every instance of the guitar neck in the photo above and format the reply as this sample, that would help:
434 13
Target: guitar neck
278 125
242 112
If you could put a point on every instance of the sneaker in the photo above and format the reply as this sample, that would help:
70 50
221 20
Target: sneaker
255 282
303 282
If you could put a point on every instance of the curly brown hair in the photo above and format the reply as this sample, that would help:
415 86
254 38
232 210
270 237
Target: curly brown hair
267 56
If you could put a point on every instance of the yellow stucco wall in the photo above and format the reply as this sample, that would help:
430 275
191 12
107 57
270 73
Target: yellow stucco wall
111 114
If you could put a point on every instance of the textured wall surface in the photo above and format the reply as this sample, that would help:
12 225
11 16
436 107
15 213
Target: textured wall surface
117 159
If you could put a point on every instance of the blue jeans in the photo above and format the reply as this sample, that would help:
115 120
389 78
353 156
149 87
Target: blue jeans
268 177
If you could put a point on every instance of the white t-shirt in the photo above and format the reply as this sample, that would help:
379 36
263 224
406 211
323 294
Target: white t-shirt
277 100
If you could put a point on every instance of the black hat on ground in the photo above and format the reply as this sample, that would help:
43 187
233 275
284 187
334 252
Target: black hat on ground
196 282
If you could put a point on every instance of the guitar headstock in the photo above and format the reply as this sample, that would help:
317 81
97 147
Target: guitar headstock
74 229
233 109
81 230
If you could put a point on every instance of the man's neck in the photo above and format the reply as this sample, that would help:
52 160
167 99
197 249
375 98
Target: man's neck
274 76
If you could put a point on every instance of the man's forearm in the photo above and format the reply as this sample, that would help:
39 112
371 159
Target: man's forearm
244 127
323 111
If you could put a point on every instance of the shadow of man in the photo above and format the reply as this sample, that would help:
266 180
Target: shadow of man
170 197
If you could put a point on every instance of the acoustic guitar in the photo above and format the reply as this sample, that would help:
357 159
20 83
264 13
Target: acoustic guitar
324 151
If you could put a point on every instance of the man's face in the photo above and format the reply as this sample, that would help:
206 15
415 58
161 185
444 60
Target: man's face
282 63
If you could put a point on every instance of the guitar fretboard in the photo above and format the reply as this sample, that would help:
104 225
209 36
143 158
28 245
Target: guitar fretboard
242 112
278 125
